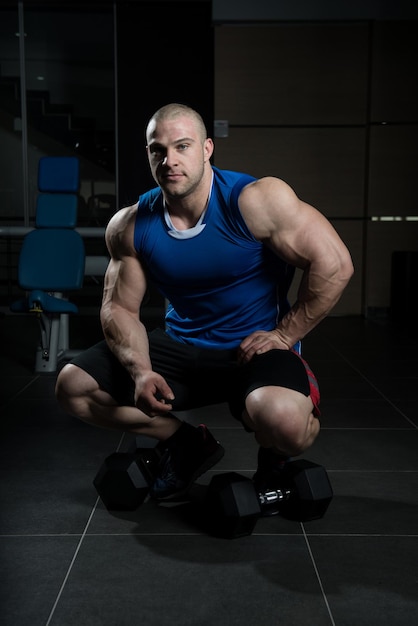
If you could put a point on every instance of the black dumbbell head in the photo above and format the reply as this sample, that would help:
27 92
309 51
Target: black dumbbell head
231 506
310 491
121 483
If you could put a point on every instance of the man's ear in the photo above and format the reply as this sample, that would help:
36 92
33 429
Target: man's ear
208 148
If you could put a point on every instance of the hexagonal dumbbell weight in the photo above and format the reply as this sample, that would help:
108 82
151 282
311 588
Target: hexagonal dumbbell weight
233 506
123 481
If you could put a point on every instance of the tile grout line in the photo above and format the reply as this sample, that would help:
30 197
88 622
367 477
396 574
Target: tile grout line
77 550
318 576
254 534
356 369
18 393
64 582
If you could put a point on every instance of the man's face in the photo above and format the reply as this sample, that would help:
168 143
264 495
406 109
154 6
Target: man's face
176 154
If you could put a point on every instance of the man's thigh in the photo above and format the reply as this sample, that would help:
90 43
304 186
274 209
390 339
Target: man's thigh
197 377
276 368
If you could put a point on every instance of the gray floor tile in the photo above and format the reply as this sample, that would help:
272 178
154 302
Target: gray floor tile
32 572
39 502
365 579
371 503
388 449
192 581
367 413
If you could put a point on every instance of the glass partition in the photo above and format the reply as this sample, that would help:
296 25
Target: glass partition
70 100
67 108
57 98
11 160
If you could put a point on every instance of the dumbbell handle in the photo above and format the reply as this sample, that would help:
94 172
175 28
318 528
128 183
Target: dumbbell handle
274 495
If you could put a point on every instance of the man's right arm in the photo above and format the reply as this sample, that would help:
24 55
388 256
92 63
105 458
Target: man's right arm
124 289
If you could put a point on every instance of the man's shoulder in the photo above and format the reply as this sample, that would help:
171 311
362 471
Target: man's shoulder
123 216
120 227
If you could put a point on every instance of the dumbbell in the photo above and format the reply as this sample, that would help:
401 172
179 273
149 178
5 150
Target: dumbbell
232 504
124 479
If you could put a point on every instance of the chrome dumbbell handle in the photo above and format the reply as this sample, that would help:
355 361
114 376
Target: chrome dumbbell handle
267 498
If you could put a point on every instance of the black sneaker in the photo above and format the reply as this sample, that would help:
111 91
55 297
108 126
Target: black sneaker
188 454
268 476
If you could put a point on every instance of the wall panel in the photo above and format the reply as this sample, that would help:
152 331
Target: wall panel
325 166
393 170
382 239
394 84
291 73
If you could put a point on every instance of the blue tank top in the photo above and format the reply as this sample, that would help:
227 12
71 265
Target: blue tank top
221 283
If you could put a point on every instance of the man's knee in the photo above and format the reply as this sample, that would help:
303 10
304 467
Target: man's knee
291 434
281 418
66 382
72 383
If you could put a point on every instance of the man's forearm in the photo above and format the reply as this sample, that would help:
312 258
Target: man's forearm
127 338
317 296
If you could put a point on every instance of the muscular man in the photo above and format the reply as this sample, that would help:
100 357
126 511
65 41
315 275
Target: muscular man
221 247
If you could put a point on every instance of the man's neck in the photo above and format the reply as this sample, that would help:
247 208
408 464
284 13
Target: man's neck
185 212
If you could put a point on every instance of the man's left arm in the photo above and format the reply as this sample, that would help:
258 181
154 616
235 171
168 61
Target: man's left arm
303 237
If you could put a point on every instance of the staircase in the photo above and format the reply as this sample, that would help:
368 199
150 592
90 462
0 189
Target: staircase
58 121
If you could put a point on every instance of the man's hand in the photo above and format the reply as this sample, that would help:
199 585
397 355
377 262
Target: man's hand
259 342
152 394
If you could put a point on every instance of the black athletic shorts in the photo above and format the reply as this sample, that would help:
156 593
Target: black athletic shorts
200 377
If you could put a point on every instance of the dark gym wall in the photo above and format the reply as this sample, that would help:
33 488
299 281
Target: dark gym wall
164 54
307 10
332 108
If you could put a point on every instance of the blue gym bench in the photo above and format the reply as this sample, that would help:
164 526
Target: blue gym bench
52 259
